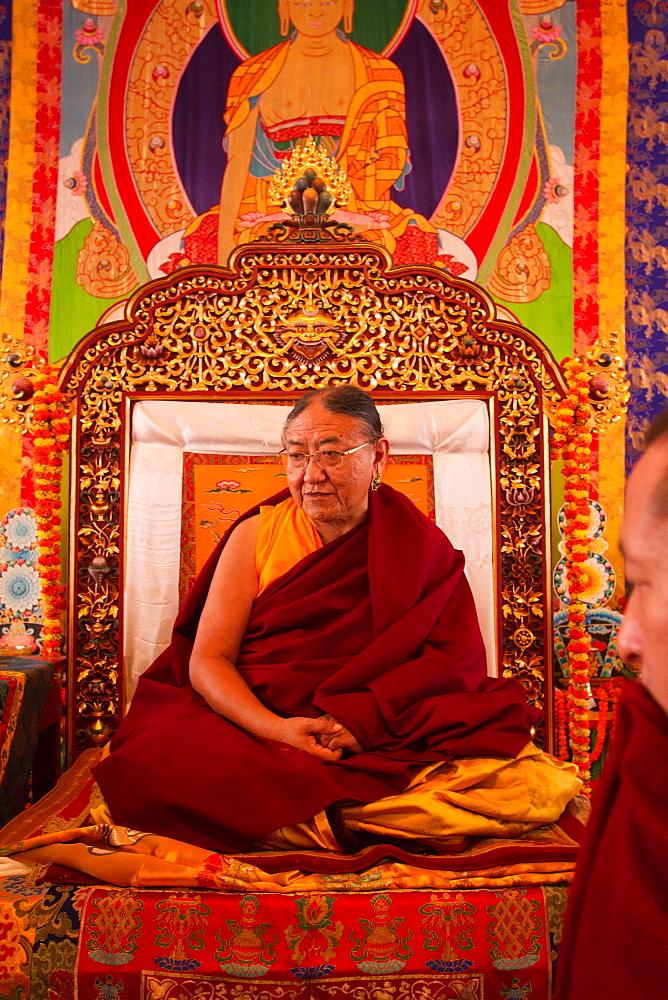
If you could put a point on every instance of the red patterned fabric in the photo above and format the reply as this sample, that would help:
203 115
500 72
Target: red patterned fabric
617 923
377 628
415 246
123 944
586 193
45 178
201 245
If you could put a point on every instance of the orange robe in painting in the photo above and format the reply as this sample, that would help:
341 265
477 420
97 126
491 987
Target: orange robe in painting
372 148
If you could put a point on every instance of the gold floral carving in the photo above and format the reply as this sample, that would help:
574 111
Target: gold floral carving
18 365
288 319
154 76
463 33
103 265
523 269
609 386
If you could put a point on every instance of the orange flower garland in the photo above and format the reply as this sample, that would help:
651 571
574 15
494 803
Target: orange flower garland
607 695
51 427
572 439
601 728
561 714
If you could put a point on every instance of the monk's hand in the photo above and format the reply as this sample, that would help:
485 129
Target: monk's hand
341 739
308 734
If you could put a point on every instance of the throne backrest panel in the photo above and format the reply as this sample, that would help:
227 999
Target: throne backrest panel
286 319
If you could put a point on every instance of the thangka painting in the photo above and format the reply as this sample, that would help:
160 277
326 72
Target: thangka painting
217 489
453 122
516 142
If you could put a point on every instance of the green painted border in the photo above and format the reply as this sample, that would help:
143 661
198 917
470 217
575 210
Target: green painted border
72 311
550 317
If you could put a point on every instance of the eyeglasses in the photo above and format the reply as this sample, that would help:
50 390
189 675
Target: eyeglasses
324 459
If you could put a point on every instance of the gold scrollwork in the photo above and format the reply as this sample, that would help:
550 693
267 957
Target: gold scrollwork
609 387
523 268
18 366
290 318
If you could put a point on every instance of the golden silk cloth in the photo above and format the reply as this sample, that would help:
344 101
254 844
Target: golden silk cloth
63 839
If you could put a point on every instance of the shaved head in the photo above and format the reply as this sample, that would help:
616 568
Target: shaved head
642 639
657 434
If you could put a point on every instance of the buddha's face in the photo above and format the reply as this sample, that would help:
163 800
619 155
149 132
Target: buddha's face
315 18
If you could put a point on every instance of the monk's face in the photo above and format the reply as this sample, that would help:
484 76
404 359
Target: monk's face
643 636
315 17
333 497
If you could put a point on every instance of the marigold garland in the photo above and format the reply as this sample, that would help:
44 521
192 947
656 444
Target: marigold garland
51 428
607 696
572 439
608 693
561 723
601 728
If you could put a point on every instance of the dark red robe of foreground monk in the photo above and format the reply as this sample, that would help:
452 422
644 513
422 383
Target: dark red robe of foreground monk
377 628
616 936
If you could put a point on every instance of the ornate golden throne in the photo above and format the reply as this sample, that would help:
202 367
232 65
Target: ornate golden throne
292 316
310 307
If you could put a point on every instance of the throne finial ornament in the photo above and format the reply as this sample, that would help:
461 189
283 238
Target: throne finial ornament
310 186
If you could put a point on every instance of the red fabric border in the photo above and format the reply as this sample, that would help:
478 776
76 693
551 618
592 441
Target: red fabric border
130 34
501 24
45 177
586 187
376 944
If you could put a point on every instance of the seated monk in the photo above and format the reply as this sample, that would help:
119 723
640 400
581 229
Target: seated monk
326 684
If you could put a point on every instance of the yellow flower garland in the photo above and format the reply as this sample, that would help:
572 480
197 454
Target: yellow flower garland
572 439
51 427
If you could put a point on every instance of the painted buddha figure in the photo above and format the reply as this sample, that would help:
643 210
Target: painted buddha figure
319 83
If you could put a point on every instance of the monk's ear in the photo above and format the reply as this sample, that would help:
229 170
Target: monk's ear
380 457
348 11
284 17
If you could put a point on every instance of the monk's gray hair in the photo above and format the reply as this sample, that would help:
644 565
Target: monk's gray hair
347 400
658 431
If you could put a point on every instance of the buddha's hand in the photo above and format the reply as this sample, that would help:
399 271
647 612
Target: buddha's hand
308 734
342 739
371 220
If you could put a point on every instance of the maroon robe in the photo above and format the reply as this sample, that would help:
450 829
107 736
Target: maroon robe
377 628
616 935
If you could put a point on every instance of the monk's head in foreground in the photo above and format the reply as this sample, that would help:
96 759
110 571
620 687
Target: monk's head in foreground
334 451
643 636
